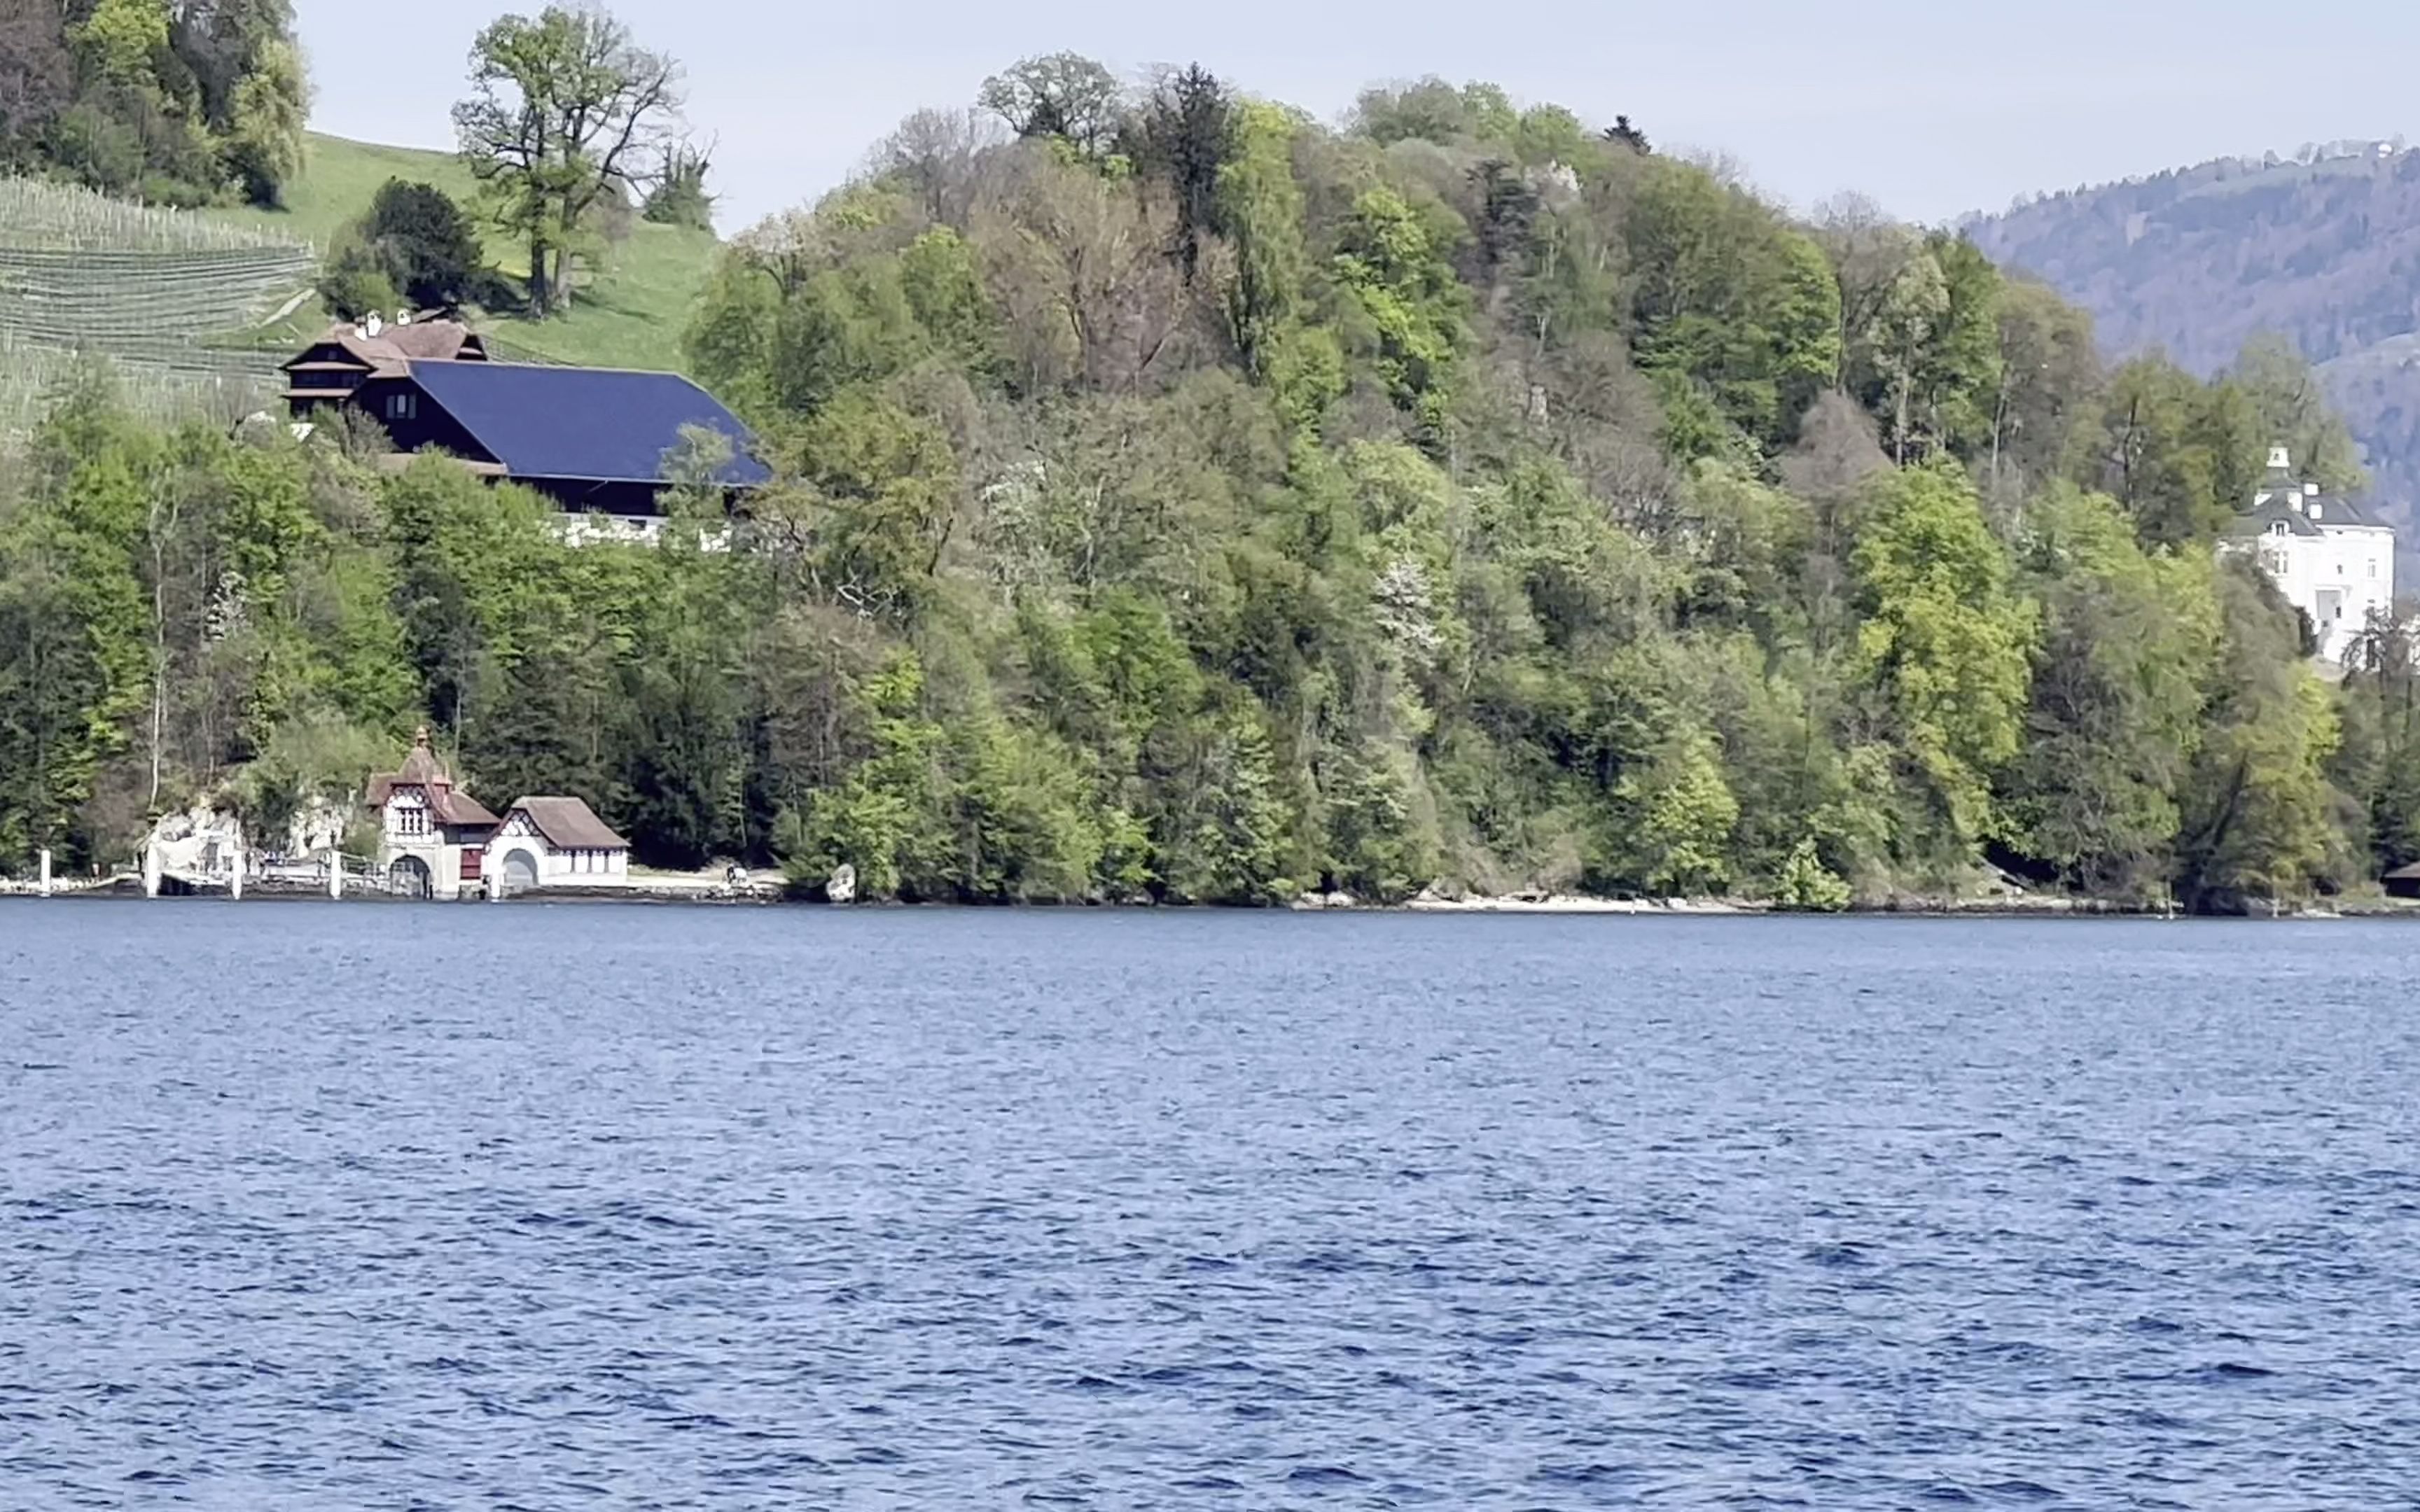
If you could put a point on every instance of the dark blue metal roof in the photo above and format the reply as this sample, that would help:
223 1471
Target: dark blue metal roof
583 422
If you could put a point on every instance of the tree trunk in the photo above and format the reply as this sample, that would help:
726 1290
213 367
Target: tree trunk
540 294
159 644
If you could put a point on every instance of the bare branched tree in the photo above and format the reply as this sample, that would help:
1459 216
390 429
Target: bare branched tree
933 154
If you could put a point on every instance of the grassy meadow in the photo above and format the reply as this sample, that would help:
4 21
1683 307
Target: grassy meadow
629 312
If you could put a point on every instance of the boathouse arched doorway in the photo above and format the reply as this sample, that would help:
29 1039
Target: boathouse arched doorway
520 872
408 877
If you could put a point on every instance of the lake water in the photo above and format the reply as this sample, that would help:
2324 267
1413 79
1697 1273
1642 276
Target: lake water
360 1207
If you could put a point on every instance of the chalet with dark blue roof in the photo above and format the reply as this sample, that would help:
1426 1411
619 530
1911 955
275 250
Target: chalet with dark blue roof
601 440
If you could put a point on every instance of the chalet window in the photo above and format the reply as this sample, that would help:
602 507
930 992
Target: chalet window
2276 527
403 405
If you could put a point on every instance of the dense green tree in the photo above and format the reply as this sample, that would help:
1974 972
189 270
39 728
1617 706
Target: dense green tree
2130 640
1059 96
187 102
433 246
2171 451
2259 824
1184 500
1946 642
1394 269
1730 302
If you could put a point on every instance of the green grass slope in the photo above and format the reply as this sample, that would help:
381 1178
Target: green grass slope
630 310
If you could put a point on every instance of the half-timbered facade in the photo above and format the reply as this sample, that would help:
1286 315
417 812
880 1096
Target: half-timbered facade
432 835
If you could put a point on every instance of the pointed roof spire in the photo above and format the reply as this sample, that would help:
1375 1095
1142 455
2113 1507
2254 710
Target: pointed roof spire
422 765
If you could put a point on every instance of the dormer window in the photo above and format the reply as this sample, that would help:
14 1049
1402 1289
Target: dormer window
2276 527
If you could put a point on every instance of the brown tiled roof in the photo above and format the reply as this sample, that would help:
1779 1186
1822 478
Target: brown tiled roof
422 765
430 341
423 769
384 354
570 824
455 807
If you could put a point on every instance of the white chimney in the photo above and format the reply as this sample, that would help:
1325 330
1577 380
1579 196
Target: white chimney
2311 490
2278 460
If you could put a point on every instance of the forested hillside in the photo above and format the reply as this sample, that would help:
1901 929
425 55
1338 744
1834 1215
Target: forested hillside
1182 500
2321 252
175 102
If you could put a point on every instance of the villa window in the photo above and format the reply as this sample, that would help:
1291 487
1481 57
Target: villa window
403 406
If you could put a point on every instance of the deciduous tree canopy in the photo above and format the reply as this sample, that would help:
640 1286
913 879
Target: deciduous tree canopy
181 101
567 111
1178 499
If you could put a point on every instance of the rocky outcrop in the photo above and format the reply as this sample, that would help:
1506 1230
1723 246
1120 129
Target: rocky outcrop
200 843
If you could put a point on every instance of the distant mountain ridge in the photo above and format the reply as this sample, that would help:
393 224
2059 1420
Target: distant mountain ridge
2322 249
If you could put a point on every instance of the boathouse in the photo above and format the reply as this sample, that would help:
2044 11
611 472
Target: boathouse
437 842
432 835
556 842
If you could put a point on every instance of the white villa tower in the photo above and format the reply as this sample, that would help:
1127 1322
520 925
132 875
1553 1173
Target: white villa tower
2328 558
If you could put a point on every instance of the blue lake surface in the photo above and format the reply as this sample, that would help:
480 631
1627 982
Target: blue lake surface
360 1207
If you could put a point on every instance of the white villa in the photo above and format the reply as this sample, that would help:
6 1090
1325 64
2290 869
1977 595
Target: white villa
436 840
2328 558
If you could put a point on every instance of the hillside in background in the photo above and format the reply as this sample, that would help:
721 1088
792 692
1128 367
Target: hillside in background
1175 499
199 306
2323 251
629 312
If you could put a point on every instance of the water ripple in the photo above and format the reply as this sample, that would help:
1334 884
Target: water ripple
554 1209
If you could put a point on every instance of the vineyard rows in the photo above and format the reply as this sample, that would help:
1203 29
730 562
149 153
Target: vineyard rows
220 395
148 288
63 218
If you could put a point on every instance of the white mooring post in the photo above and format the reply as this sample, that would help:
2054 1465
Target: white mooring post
151 869
234 878
46 873
335 875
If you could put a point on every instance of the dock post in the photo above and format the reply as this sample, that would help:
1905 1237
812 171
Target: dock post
46 873
151 869
336 874
234 878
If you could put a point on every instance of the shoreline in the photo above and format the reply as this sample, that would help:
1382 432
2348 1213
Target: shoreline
1516 905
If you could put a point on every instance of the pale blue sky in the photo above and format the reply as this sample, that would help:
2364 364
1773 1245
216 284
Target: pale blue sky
1933 109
